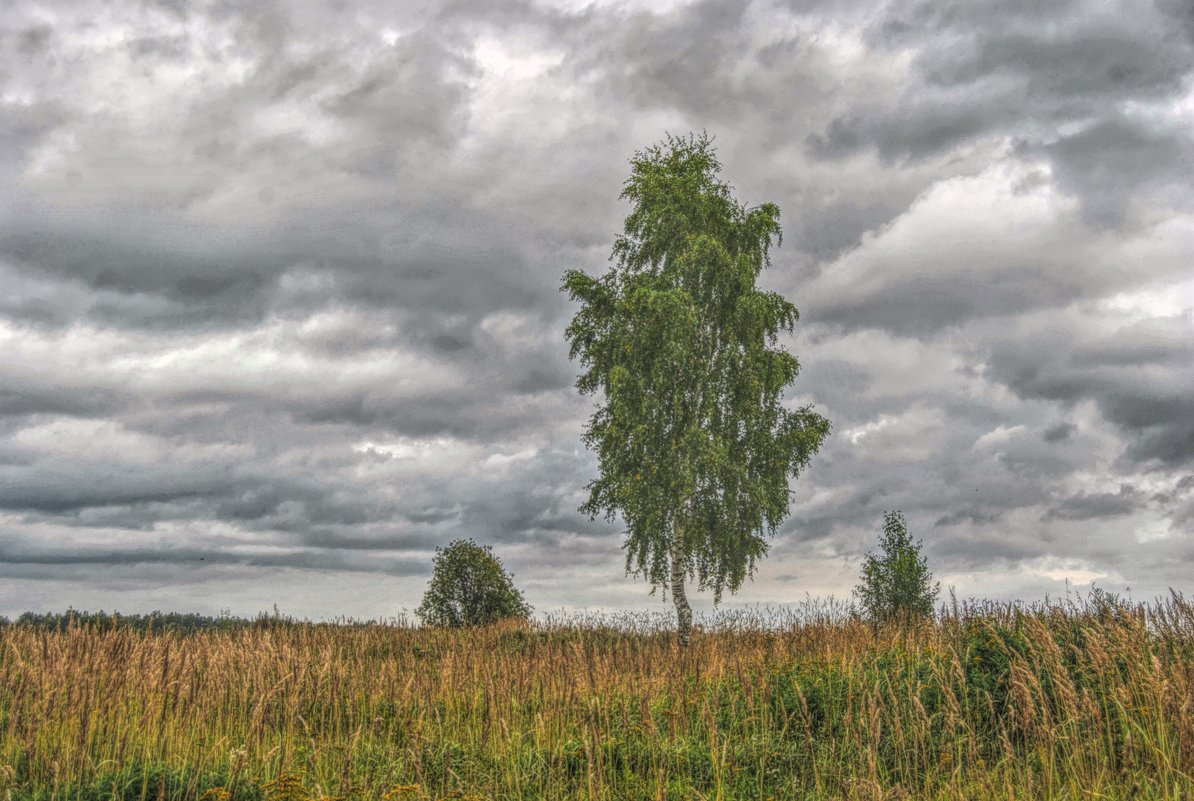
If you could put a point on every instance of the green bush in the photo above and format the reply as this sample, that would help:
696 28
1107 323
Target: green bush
469 587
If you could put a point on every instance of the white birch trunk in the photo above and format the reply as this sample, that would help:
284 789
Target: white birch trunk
679 596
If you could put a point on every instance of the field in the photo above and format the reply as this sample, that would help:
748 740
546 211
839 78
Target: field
1074 702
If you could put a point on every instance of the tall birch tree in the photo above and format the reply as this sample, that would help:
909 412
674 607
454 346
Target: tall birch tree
695 447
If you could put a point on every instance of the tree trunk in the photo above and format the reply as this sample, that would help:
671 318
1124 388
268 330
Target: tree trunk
679 597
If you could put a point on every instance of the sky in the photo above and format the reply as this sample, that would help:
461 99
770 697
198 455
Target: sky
280 308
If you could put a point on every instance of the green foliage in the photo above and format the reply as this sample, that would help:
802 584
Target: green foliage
469 587
692 438
988 649
139 782
896 584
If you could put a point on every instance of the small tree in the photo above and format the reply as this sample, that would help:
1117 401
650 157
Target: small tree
896 584
469 587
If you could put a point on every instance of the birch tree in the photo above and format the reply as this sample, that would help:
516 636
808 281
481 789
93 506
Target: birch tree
694 444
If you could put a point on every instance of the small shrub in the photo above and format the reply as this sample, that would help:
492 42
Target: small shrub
470 587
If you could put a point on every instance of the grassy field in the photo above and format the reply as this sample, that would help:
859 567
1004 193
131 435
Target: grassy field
995 703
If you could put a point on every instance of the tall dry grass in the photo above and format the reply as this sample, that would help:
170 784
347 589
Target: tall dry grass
1000 702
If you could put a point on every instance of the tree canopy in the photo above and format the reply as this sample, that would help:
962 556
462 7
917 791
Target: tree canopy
469 587
695 446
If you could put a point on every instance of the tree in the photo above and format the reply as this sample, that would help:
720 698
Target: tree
694 446
896 584
469 587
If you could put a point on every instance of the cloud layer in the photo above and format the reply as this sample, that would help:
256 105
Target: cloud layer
280 309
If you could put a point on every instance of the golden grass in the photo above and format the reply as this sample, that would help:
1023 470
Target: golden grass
1050 703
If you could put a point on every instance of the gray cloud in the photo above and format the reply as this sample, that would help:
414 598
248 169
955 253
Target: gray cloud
1087 506
1135 375
279 306
1059 432
1114 161
1065 80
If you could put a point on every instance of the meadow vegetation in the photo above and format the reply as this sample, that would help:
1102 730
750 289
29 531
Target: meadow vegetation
1074 701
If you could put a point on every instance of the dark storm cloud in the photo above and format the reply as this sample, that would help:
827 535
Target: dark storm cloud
1110 162
13 560
16 401
1138 376
981 247
1087 506
280 289
972 516
1059 50
201 278
219 492
656 57
1059 432
1030 73
280 200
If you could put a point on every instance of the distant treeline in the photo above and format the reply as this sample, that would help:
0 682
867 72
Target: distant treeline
160 622
154 621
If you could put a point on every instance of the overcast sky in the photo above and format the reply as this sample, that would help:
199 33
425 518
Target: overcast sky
280 308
